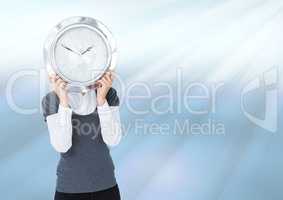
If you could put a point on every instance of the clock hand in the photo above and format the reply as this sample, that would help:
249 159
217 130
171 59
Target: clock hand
88 49
69 49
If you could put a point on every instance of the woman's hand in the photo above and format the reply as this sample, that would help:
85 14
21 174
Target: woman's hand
60 88
104 84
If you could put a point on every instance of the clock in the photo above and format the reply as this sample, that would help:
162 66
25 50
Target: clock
80 50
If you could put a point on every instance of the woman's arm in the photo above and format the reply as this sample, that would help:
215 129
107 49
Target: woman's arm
60 129
108 110
58 115
110 124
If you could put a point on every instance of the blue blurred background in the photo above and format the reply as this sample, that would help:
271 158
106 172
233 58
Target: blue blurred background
231 42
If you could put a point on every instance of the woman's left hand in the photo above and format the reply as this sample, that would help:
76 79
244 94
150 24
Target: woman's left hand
104 85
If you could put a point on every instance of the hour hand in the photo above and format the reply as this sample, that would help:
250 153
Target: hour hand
88 49
69 49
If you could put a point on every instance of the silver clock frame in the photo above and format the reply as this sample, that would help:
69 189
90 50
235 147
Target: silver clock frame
74 22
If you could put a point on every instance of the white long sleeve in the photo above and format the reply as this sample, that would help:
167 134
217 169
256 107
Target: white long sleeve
60 129
110 124
60 123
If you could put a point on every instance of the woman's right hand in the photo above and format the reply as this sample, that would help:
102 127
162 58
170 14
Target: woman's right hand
60 88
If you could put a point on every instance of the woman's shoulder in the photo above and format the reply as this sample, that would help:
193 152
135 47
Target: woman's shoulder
112 97
50 103
50 98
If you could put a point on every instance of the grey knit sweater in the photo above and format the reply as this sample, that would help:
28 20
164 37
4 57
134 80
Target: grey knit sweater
87 166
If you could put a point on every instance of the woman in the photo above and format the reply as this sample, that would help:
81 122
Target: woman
81 125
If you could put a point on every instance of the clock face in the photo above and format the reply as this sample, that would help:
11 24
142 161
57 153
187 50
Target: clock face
81 54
